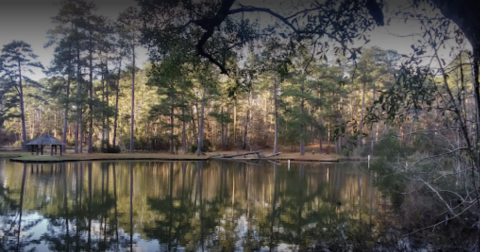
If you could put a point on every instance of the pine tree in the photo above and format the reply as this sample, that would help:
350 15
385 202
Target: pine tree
18 56
129 30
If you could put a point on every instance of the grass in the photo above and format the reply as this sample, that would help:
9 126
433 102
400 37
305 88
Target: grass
285 155
27 157
34 158
294 156
12 154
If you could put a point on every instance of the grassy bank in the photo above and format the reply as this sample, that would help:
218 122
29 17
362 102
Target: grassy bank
104 156
13 154
46 158
292 156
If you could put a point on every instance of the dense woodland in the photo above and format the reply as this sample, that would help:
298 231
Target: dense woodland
279 90
221 77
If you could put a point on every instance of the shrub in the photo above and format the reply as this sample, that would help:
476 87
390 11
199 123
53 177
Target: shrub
107 148
390 147
207 145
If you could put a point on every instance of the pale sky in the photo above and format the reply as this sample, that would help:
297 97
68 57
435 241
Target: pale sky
29 20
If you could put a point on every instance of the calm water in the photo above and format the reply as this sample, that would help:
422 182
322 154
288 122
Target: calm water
183 206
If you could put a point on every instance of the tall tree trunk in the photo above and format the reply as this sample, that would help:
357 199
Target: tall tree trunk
374 125
184 127
194 124
320 122
476 60
338 142
198 117
226 129
82 136
275 114
55 126
235 123
90 104
476 86
132 117
360 127
103 110
464 95
222 134
107 90
200 127
32 127
116 104
67 104
302 122
172 144
78 124
247 121
22 109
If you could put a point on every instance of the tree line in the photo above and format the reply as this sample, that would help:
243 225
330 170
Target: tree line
299 84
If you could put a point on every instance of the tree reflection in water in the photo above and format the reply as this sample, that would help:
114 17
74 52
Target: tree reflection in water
192 206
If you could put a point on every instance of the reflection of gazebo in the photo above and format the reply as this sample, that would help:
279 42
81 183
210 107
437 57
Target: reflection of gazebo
46 139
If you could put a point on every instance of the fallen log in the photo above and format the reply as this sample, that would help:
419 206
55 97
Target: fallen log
241 154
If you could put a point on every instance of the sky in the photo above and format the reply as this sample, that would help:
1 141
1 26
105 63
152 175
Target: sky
29 20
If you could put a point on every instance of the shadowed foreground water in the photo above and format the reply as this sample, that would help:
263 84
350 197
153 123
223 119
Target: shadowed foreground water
181 206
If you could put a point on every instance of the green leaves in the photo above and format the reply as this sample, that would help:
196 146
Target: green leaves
216 29
412 91
18 54
222 118
16 57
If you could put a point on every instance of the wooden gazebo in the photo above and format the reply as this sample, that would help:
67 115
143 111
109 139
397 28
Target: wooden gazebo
45 139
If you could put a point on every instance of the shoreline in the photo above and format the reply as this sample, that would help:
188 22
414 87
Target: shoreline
27 157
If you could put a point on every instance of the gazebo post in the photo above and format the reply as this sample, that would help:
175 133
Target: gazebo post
56 149
38 149
51 150
61 148
31 146
41 149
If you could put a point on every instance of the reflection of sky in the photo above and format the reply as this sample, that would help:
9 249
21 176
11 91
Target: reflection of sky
39 229
29 20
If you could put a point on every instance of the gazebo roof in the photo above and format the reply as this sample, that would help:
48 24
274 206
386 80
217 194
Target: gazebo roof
46 139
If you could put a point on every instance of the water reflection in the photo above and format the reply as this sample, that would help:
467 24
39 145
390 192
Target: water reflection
186 206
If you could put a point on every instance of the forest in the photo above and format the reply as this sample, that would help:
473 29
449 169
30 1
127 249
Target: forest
224 75
242 90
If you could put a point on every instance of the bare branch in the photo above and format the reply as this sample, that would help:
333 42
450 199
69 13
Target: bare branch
439 196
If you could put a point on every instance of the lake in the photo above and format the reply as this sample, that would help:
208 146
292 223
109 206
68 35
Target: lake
185 206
